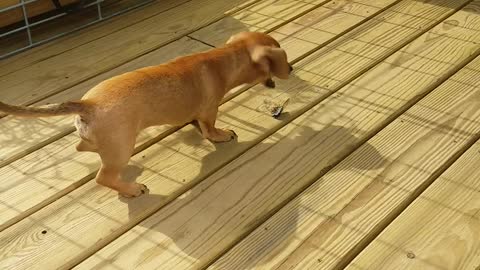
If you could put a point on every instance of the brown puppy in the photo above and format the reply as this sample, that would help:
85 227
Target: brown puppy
187 89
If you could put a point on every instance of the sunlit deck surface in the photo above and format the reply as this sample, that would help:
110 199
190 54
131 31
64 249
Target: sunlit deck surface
374 164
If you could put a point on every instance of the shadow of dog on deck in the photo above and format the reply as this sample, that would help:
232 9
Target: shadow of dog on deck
238 198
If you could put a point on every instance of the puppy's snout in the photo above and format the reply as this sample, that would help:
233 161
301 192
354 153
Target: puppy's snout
290 68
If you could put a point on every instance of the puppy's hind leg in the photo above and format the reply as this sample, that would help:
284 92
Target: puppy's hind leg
115 155
84 146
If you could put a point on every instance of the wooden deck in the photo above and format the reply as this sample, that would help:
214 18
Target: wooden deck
374 165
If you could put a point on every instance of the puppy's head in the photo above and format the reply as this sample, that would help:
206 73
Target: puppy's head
266 53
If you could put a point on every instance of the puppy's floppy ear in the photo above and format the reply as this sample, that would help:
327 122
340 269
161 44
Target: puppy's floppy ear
272 61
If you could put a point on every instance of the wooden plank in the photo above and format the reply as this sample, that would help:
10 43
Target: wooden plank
261 17
204 222
60 72
36 194
315 28
170 167
468 22
38 54
31 134
338 215
439 230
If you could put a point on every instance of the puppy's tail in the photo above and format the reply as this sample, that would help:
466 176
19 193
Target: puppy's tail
70 107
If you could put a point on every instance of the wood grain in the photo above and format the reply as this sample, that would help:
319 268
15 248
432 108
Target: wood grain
467 20
439 230
201 224
169 168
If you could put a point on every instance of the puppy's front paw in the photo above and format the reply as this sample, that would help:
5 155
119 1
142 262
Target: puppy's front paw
134 190
269 83
223 135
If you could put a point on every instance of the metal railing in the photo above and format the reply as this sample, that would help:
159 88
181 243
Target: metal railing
60 11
